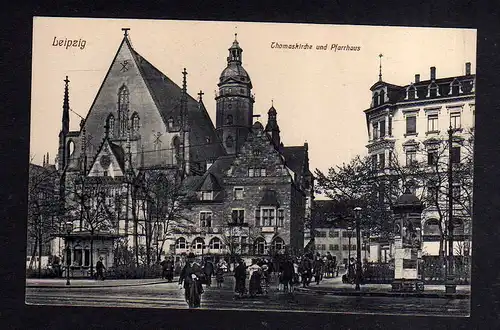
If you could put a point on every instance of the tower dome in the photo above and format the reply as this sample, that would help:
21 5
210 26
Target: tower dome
234 113
234 69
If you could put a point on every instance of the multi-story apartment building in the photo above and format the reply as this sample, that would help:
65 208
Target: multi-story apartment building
408 139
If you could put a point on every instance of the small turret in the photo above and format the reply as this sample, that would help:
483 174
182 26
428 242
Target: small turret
272 127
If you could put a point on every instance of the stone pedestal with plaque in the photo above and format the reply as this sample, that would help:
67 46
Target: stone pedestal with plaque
407 244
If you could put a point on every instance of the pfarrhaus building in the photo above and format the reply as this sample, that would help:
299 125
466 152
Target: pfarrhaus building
408 132
149 171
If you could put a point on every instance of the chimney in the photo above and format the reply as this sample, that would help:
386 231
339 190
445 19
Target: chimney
417 78
467 69
433 73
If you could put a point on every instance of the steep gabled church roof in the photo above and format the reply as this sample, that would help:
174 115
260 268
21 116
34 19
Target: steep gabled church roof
167 96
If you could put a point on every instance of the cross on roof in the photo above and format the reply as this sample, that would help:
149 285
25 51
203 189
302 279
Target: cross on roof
125 30
66 80
200 94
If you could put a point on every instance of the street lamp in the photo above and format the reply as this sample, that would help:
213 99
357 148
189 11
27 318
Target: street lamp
68 228
349 235
357 213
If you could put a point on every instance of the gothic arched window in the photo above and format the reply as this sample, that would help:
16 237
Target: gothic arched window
135 123
260 246
229 120
278 244
110 123
70 148
229 141
170 123
215 243
123 103
176 143
181 243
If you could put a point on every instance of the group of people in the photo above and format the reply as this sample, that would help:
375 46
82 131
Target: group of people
259 277
290 271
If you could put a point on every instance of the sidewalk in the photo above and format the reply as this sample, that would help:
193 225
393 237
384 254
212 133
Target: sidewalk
89 283
334 286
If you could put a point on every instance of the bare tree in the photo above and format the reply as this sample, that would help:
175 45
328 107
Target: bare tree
42 210
90 204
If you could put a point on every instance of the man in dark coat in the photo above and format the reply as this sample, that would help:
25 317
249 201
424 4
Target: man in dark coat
240 275
209 271
191 275
287 273
100 269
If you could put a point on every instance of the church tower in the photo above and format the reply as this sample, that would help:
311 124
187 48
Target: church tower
272 128
234 102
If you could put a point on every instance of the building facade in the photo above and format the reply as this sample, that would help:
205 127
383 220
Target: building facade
335 235
409 132
148 170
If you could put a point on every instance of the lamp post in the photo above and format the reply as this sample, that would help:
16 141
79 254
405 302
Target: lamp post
68 227
357 213
349 234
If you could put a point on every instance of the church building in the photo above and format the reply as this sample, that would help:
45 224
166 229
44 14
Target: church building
229 188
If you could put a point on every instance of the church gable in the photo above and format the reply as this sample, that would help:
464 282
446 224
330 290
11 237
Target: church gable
124 100
110 161
258 157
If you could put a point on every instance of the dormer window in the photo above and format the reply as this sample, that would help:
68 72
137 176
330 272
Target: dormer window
207 195
411 92
382 97
433 90
375 100
170 123
455 87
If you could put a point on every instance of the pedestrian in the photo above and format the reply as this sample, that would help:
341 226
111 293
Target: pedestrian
255 276
317 268
209 270
191 276
219 273
100 269
264 283
240 274
287 275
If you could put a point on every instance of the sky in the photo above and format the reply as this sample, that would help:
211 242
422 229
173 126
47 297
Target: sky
319 94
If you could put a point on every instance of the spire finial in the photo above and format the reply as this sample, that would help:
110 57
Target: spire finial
125 31
200 94
380 67
65 116
272 102
236 36
184 81
43 164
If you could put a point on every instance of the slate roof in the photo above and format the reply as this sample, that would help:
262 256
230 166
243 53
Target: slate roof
167 96
119 154
295 157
